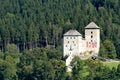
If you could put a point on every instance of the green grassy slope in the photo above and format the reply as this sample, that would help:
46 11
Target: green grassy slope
111 64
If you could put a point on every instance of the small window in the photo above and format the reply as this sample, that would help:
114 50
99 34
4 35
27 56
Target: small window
67 37
74 37
70 37
66 45
68 41
91 41
91 32
73 41
91 36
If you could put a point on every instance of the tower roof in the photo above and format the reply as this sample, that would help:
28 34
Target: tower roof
72 32
92 25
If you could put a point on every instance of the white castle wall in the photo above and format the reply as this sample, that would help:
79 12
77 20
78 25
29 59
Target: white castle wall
92 37
71 45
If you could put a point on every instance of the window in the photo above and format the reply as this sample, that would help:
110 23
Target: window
73 41
67 37
66 45
74 37
70 37
91 41
91 32
68 41
91 36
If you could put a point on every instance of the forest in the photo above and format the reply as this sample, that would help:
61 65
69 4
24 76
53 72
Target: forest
28 29
47 64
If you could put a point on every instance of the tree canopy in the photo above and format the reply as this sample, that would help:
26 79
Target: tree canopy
30 24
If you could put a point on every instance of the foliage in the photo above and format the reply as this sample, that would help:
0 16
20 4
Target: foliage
12 48
103 51
110 49
30 24
111 64
37 65
78 68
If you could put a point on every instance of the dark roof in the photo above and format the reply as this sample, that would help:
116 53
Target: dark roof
92 25
72 32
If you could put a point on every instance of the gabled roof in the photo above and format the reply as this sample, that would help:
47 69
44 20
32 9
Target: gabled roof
92 25
72 32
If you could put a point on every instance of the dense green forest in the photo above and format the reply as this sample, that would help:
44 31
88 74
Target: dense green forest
29 27
39 23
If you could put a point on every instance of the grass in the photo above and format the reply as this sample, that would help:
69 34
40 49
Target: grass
111 64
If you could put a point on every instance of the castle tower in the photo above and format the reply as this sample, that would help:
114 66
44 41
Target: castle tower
92 36
71 42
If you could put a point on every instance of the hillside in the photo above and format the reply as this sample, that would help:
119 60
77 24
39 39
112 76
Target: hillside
39 23
31 33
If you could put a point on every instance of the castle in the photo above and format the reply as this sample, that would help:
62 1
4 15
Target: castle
75 45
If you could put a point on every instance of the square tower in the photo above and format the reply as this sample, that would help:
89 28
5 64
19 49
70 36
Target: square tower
72 40
92 36
71 43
